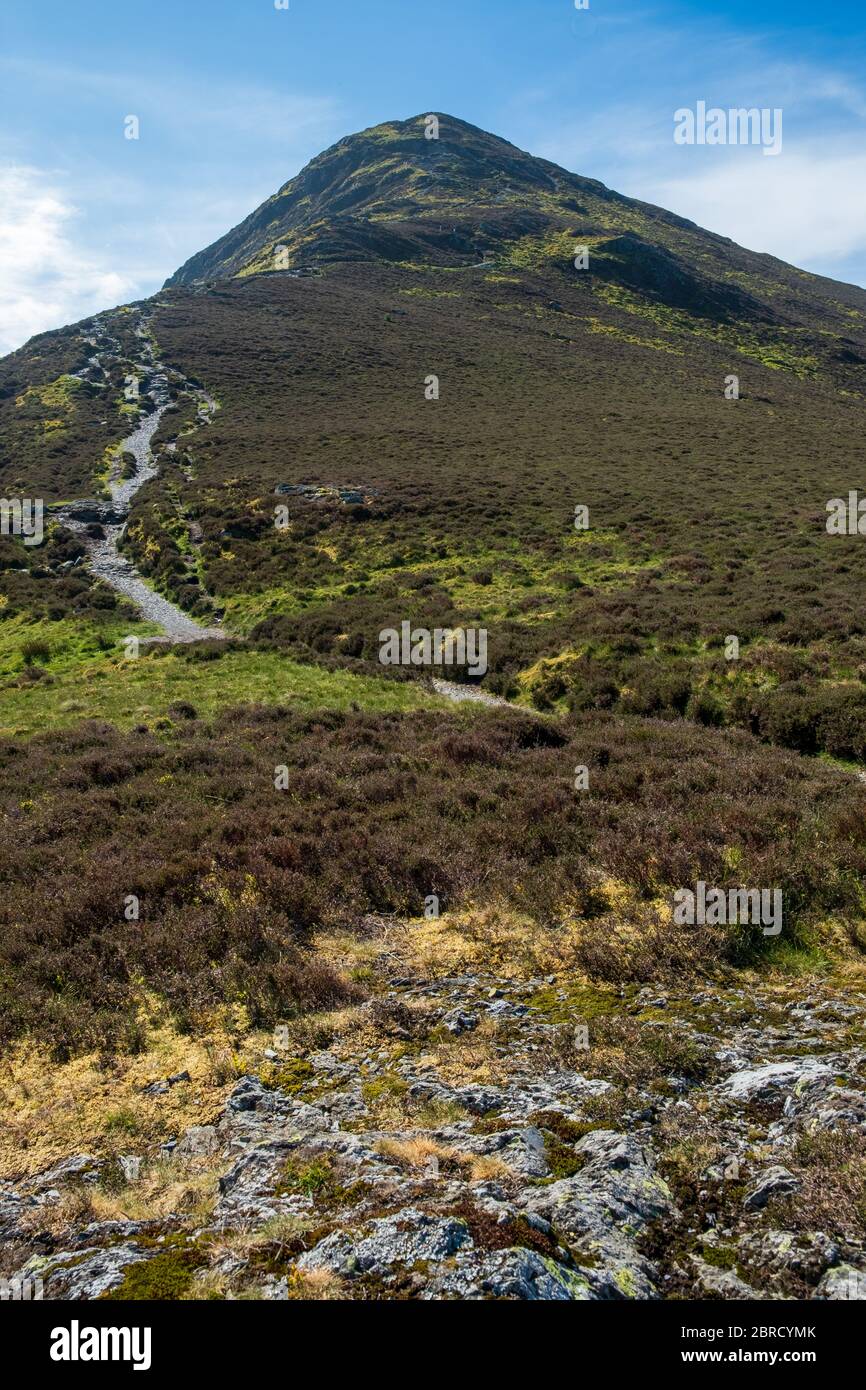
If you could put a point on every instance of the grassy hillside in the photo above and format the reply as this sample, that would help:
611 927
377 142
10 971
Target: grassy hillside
317 985
706 515
558 388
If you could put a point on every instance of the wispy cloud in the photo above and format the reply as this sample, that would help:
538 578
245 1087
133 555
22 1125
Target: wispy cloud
191 108
106 219
46 279
779 206
807 206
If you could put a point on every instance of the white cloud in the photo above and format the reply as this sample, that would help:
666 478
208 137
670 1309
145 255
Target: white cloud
806 207
138 209
64 255
45 278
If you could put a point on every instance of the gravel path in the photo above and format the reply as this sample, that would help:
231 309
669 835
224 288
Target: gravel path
104 557
460 694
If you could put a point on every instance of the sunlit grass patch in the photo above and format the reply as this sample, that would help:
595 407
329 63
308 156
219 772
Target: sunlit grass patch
95 684
62 647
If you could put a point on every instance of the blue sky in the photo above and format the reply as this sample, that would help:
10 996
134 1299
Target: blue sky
234 96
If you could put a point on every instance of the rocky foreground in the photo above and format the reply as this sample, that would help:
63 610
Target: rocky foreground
474 1137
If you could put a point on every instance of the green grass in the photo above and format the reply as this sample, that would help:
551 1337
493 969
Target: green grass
760 345
601 558
69 644
243 611
85 682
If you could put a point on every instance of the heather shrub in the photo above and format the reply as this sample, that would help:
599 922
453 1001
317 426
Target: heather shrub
234 880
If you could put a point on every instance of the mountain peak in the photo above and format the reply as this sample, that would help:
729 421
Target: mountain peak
431 188
435 192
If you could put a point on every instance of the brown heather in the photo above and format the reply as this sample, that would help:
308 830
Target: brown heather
237 881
